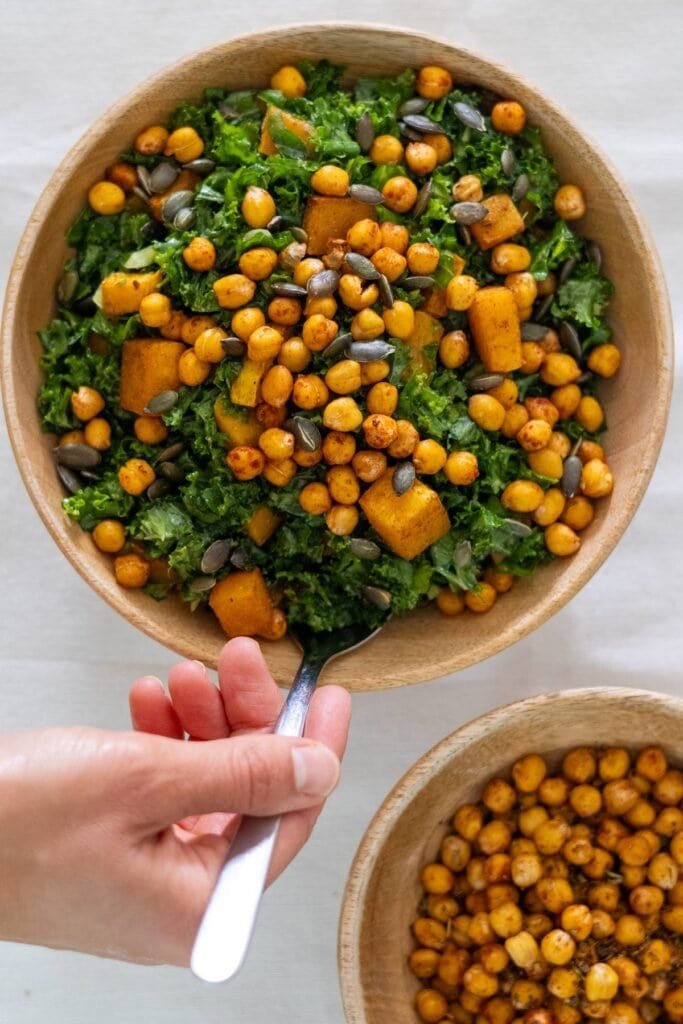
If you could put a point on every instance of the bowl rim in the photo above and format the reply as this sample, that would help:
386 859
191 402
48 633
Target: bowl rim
52 516
408 788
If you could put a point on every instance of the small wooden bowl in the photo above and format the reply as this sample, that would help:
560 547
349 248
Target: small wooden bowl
424 644
383 890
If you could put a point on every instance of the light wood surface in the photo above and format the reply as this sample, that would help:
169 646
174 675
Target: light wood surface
424 644
383 890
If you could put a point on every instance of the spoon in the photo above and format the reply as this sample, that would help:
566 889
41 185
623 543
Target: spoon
225 932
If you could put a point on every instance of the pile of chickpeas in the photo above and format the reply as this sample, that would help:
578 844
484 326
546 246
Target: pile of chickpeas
558 898
356 401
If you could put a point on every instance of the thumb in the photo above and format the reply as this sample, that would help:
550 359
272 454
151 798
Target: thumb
254 774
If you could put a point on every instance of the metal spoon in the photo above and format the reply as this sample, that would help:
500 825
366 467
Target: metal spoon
225 932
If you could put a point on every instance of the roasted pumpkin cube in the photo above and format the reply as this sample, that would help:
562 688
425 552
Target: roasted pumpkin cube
435 302
186 181
302 129
494 322
246 386
148 367
407 523
262 525
238 429
328 217
122 293
242 604
502 221
427 331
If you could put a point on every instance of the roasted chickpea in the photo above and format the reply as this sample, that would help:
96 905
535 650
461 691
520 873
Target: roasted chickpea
258 264
589 413
433 82
382 398
309 392
532 357
330 180
454 349
399 194
280 472
421 158
276 386
500 581
460 292
424 963
246 461
486 411
294 355
305 270
233 291
423 258
461 468
124 175
389 262
365 237
307 459
326 305
394 236
135 476
596 479
356 293
550 509
534 435
276 444
150 429
441 145
209 345
152 140
338 448
669 789
342 519
343 485
342 414
131 571
106 198
449 603
258 207
399 321
371 373
569 202
522 496
289 81
559 369
546 463
431 1005
508 117
192 371
482 599
284 311
269 416
369 465
505 393
97 434
264 344
367 325
200 254
558 947
429 456
109 536
468 189
403 446
379 430
386 149
86 403
523 286
605 360
561 540
515 418
578 513
184 144
315 499
509 258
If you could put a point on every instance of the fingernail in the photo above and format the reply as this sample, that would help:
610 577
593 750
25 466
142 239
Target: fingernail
316 770
201 665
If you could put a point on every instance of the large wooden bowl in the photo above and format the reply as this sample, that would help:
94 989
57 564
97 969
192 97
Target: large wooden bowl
425 644
383 890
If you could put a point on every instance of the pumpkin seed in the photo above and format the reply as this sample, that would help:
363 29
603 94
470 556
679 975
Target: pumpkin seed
171 472
299 234
409 133
403 478
289 290
508 161
337 346
87 474
201 584
185 219
370 351
518 528
468 212
144 179
485 381
377 596
172 451
161 403
465 234
67 285
159 489
469 116
544 306
415 105
422 124
365 132
595 254
77 456
202 165
306 433
571 475
520 188
163 176
292 255
322 284
228 112
566 270
239 558
140 193
278 223
423 197
361 266
585 378
71 480
570 340
417 282
386 296
175 203
233 346
532 331
365 549
152 231
462 555
215 556
366 194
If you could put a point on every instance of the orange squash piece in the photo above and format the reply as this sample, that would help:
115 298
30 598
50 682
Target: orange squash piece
502 221
409 522
328 217
122 293
494 323
237 429
148 366
427 331
246 386
302 129
242 604
262 525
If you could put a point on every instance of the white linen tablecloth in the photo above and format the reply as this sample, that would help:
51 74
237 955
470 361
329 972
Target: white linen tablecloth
65 657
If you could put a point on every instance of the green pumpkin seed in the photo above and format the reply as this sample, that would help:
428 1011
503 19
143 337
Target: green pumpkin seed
462 555
571 475
370 351
215 556
299 234
239 558
163 176
233 347
543 307
567 269
366 194
161 403
202 165
569 340
361 266
423 125
469 116
365 549
386 296
77 456
289 291
417 282
71 480
172 451
201 584
403 478
518 528
485 381
307 435
171 472
508 161
365 133
520 188
67 285
468 212
376 595
184 219
337 346
423 197
323 284
158 489
415 105
595 254
532 331
175 203
144 179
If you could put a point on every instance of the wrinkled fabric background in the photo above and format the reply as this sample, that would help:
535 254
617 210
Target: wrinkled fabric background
65 657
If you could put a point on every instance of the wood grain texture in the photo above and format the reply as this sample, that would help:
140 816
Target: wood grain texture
425 644
383 889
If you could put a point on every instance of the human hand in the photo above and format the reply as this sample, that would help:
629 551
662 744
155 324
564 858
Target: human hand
112 842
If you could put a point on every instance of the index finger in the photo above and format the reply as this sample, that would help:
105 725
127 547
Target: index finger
250 695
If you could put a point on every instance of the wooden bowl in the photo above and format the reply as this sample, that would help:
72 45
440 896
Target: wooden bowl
424 644
383 890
